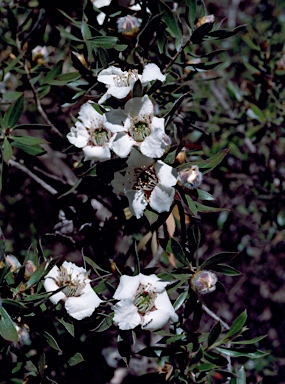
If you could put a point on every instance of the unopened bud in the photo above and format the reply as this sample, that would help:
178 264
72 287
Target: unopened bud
205 19
190 178
181 156
128 26
203 282
23 335
13 262
40 54
30 268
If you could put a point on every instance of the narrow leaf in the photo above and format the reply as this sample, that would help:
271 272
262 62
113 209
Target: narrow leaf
237 325
241 379
105 324
76 359
214 334
191 205
253 354
37 275
68 326
13 113
180 300
218 258
52 342
178 251
7 150
7 327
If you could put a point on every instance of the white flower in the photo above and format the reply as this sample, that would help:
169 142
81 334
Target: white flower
120 83
91 135
146 182
40 54
79 298
13 263
138 127
143 301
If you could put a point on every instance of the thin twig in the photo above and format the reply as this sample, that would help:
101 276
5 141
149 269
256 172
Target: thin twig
39 106
175 56
33 176
227 327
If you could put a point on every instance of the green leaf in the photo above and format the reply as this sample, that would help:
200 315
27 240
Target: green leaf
68 326
104 41
247 342
253 354
191 4
52 342
171 21
7 151
215 358
7 327
214 334
203 195
208 164
241 379
65 78
191 205
206 367
28 140
199 33
105 324
37 275
168 117
218 258
178 251
76 359
137 89
256 113
237 325
225 270
34 150
12 95
95 266
180 300
13 113
55 71
225 33
205 208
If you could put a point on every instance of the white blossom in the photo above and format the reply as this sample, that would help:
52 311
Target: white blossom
146 181
120 83
143 301
79 298
91 135
137 127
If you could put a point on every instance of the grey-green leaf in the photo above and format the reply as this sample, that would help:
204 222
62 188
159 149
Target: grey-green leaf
76 359
214 334
7 327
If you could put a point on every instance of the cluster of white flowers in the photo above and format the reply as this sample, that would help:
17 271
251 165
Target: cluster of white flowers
142 300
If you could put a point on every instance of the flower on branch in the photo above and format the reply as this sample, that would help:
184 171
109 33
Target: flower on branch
143 301
204 282
190 178
120 83
79 298
137 126
91 135
146 181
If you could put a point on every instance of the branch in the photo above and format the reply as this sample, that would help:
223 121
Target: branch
33 176
175 56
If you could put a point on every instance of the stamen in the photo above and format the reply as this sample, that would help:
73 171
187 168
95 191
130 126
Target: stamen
144 299
100 136
126 79
73 286
140 128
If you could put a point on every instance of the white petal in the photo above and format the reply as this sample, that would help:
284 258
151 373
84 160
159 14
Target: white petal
87 114
96 153
163 302
155 319
50 285
114 120
103 98
137 202
75 271
126 315
152 72
156 285
107 75
166 174
118 183
84 305
137 160
154 145
101 17
78 136
122 145
161 198
127 287
101 3
139 106
119 92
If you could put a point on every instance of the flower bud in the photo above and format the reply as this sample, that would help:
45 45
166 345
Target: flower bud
203 282
40 54
128 26
13 262
205 19
181 156
190 178
23 335
30 268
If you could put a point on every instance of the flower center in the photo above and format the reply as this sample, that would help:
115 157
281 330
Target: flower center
140 128
126 78
100 136
144 299
73 286
146 179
